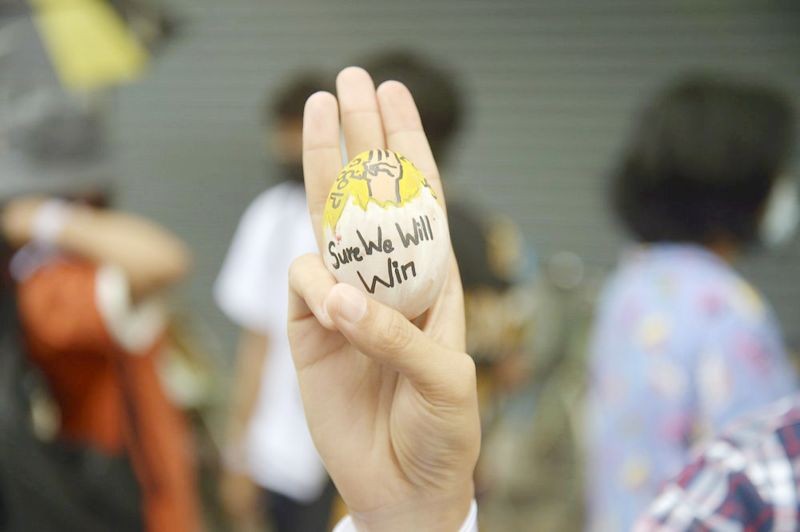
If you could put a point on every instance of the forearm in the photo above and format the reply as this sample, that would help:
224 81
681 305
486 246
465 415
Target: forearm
151 257
245 387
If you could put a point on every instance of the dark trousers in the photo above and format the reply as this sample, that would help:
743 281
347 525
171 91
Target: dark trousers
288 515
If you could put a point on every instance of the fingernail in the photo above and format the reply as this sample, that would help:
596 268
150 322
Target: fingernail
349 302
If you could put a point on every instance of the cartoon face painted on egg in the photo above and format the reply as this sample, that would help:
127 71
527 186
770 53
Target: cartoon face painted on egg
385 232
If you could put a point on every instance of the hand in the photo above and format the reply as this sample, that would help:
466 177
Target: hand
392 407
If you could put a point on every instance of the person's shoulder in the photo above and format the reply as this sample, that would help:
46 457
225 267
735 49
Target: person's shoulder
630 283
266 199
59 305
274 200
713 292
266 206
746 300
731 307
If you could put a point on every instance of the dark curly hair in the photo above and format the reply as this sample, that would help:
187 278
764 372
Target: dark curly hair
437 92
287 101
700 163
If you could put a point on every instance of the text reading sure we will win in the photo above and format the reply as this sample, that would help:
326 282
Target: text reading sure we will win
396 273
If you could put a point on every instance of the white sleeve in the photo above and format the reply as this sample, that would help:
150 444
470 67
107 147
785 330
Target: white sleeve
134 327
470 523
243 285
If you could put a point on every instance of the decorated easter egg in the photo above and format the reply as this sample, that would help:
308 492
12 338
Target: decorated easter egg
385 232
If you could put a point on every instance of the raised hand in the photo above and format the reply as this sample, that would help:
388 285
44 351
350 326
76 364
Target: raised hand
391 405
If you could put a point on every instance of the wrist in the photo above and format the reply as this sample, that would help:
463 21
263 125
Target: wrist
424 512
49 220
36 219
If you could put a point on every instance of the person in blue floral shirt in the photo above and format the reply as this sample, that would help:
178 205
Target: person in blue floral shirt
682 344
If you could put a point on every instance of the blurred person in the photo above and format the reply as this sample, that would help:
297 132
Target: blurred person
89 281
269 456
682 344
92 326
530 473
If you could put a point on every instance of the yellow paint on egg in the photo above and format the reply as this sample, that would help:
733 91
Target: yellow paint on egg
376 176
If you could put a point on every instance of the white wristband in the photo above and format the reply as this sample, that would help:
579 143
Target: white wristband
49 221
470 523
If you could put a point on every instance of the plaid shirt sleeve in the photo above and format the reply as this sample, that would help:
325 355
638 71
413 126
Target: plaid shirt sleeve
746 480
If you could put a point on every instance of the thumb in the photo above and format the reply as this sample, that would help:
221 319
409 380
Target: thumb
386 336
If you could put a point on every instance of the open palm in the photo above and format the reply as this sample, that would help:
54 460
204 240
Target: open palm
391 405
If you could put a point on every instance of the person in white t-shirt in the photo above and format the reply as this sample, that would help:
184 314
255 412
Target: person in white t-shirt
268 444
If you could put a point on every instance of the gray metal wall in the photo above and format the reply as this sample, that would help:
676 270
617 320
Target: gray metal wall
552 85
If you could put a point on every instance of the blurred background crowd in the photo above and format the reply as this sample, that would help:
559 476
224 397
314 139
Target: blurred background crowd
622 186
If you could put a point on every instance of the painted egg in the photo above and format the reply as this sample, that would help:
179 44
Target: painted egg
385 232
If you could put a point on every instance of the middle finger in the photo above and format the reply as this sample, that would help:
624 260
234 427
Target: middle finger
358 105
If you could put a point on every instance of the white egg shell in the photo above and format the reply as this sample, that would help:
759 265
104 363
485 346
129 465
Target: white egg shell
398 254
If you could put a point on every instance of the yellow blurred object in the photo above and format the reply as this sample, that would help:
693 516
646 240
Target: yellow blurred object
88 43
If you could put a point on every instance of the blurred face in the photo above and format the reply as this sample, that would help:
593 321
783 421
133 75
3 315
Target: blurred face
285 142
284 146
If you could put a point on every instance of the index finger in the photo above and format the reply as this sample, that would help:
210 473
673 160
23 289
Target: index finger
321 154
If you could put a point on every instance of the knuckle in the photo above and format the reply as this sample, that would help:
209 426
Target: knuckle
465 381
396 335
299 267
304 261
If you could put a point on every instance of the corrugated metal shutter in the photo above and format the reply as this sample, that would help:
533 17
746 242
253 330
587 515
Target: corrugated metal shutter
551 83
